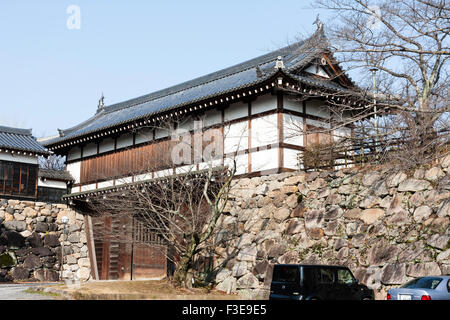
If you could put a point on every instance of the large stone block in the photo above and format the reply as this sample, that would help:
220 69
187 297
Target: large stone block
32 262
381 252
14 240
423 269
227 285
394 274
444 209
51 240
248 281
239 269
281 214
20 273
370 216
414 185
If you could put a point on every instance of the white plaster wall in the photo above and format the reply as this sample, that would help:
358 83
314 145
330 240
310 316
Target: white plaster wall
75 190
161 133
124 141
89 150
52 184
293 130
320 124
317 108
7 156
210 164
290 103
264 103
319 71
236 137
241 163
264 160
212 117
106 145
163 173
105 184
144 135
290 158
74 153
236 111
74 169
264 131
88 187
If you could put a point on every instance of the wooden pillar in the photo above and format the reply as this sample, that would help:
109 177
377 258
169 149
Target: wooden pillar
91 246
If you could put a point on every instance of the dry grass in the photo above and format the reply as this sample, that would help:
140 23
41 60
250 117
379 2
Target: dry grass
136 290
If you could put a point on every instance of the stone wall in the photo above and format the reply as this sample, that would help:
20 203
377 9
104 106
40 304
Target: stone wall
31 238
388 227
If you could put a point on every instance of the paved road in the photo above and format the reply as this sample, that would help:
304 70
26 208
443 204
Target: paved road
13 291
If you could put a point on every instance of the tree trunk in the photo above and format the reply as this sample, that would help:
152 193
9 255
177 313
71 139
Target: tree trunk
185 264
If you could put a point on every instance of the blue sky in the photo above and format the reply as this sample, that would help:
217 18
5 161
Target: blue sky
52 77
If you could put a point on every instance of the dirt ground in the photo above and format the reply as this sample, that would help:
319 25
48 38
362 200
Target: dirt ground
133 290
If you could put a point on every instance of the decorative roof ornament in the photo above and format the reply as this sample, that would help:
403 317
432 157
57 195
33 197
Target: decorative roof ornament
259 73
61 132
280 63
318 23
101 103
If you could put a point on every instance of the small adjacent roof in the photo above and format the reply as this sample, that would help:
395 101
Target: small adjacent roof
58 175
16 139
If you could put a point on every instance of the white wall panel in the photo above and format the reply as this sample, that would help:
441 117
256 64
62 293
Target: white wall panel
290 159
74 169
264 103
212 117
124 141
52 184
161 133
89 150
319 124
14 157
317 108
106 184
88 187
241 163
264 131
144 135
74 153
264 160
236 137
236 111
293 130
290 103
106 145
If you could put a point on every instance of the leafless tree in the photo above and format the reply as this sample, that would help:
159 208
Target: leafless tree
52 162
178 195
405 43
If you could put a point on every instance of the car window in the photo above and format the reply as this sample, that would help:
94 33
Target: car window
448 285
345 276
285 274
326 275
423 283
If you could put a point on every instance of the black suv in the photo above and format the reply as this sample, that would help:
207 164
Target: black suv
316 282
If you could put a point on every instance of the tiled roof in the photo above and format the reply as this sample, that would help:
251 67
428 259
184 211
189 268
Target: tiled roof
242 75
20 140
60 175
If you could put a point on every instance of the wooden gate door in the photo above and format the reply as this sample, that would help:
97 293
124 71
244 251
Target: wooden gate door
126 249
149 253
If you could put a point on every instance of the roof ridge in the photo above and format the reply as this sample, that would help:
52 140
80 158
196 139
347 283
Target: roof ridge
13 130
